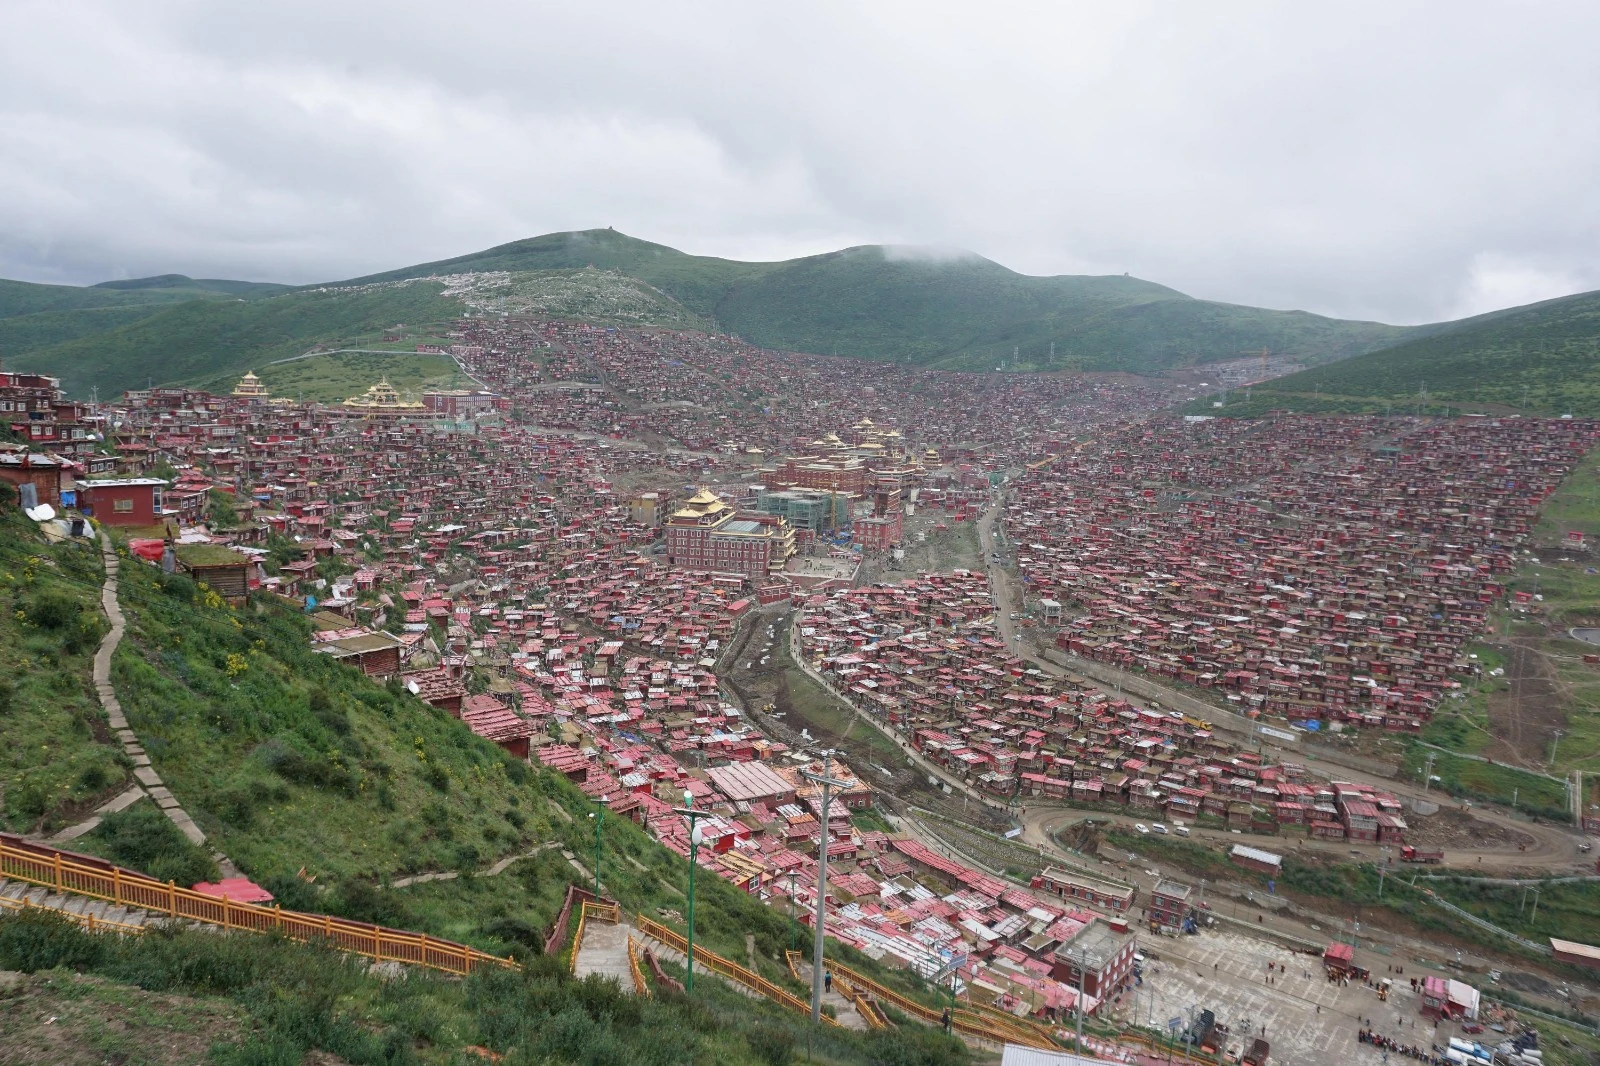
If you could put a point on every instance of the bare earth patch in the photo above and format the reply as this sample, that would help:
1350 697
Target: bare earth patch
66 1019
1458 829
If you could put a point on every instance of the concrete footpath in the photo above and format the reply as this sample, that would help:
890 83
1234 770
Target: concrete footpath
150 783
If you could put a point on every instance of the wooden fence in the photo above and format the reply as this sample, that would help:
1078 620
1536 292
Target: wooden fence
985 1025
728 968
558 931
641 987
607 912
88 921
85 875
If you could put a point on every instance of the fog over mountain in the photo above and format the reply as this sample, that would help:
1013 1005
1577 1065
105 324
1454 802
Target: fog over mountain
1365 161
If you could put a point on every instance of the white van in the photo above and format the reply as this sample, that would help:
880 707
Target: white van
1181 830
1158 827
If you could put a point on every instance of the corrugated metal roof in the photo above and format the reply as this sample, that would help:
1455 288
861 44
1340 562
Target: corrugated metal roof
1016 1055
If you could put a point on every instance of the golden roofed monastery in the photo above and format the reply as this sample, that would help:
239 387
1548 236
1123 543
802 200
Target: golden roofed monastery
250 388
382 399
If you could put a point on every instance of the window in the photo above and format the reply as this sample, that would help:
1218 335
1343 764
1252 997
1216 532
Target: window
122 506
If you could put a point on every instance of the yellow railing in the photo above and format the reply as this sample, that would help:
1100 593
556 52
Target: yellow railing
88 921
124 888
729 969
641 987
606 912
970 1023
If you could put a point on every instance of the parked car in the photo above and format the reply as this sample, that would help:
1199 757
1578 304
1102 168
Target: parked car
1141 827
1181 830
1157 827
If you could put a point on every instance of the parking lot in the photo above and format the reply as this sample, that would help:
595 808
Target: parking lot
1304 1017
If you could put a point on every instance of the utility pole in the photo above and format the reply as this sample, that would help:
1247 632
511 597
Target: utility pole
1080 962
599 820
694 816
1427 772
1554 746
792 922
1381 871
828 784
1534 917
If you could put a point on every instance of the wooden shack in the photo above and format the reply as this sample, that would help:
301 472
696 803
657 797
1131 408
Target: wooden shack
224 571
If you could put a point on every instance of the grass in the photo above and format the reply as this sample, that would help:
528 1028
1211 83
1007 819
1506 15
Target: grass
62 1018
1489 782
819 709
297 999
303 770
1541 358
960 311
335 377
59 760
204 340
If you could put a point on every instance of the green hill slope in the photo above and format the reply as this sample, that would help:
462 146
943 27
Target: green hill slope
960 311
33 317
210 338
325 786
183 283
1544 357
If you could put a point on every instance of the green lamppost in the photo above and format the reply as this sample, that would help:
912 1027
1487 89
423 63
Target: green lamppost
694 816
599 817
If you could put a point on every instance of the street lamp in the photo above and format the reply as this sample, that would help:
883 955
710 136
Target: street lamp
599 817
695 836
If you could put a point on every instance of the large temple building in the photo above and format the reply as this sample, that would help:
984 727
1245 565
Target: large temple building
381 400
706 534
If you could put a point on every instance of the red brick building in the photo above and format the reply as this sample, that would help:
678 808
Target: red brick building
36 409
708 535
31 468
122 501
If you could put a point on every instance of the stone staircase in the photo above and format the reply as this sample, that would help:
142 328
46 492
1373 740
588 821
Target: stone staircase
604 951
844 1011
14 894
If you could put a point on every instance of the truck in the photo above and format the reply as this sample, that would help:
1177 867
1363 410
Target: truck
1257 1055
1411 854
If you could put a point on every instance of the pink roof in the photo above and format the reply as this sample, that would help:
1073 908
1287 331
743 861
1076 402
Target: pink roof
237 889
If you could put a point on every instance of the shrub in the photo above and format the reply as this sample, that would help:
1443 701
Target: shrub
39 939
772 1045
145 839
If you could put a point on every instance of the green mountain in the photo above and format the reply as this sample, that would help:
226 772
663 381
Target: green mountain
212 339
34 317
957 311
184 283
1544 357
951 310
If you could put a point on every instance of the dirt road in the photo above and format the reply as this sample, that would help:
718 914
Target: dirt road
1554 847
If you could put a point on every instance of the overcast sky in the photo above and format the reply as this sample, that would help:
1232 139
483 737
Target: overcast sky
1406 162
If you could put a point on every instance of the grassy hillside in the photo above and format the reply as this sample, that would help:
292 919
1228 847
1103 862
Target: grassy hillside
207 339
960 311
26 298
59 760
325 786
251 1001
338 375
1544 357
184 283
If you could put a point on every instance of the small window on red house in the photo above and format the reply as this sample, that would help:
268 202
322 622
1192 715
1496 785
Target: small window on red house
122 506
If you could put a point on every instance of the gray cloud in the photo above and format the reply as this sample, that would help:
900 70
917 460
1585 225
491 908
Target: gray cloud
1401 162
